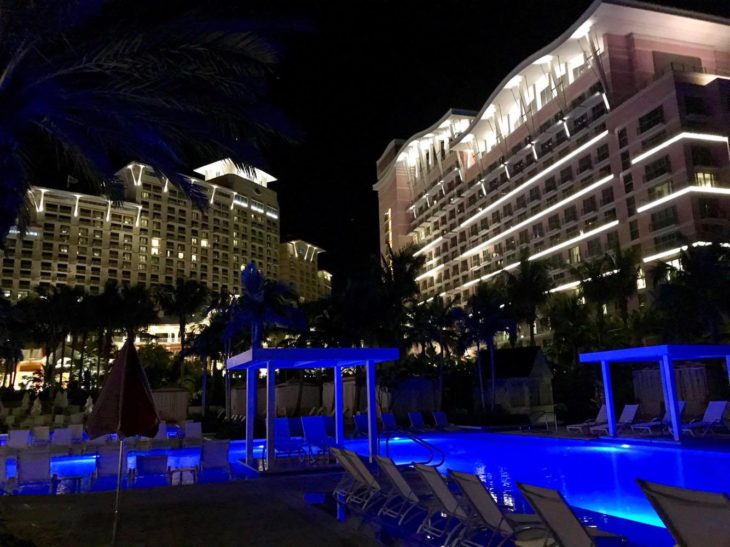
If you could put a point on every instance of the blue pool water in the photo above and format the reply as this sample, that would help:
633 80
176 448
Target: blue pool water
599 478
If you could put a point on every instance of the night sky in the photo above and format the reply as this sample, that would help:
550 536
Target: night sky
368 72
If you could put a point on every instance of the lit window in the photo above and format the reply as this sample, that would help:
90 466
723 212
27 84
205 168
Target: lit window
203 242
155 246
574 255
194 258
705 179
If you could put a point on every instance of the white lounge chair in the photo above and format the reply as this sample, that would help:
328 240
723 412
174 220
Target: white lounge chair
33 467
693 517
564 527
442 421
61 441
76 418
627 417
151 465
445 517
107 462
284 443
77 433
361 425
358 487
417 423
389 423
711 420
160 440
41 435
192 434
660 424
521 528
9 421
601 418
402 500
214 455
95 445
59 420
18 439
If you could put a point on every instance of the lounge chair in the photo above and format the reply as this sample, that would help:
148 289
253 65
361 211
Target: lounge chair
160 440
315 435
389 423
445 517
564 527
59 420
76 418
417 423
660 424
61 441
214 456
358 487
9 421
43 419
151 465
284 443
442 421
712 419
18 439
601 418
41 435
693 517
33 467
107 462
192 434
628 415
402 499
521 528
77 433
97 443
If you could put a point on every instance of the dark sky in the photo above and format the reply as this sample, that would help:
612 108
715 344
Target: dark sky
368 72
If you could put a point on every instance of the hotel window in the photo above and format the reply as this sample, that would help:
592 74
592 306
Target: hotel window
705 179
611 240
628 183
657 168
660 190
554 222
571 214
623 138
550 185
584 164
634 229
593 247
155 246
606 196
651 119
566 175
695 105
630 206
702 156
664 218
602 153
589 205
574 255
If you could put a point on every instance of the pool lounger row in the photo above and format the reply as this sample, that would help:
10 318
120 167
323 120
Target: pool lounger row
693 517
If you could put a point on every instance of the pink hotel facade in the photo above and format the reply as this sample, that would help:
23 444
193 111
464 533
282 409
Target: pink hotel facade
614 134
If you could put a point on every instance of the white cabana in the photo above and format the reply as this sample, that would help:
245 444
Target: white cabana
665 355
272 359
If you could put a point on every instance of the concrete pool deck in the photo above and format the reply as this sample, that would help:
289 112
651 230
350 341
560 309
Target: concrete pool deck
265 512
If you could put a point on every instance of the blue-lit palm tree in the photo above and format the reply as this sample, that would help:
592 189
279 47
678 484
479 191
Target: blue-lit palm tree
89 86
264 303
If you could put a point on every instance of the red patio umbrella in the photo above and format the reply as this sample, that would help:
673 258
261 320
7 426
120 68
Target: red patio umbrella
125 406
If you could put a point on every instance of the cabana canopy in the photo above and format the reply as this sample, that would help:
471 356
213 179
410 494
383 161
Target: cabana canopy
272 359
665 355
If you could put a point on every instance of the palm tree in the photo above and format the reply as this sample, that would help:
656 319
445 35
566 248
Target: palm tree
264 303
183 301
624 267
527 290
136 310
485 316
79 85
207 344
596 288
571 326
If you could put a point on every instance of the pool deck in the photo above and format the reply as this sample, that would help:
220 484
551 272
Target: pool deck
268 512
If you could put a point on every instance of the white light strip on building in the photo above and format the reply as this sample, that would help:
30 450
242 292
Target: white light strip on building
537 177
428 246
574 240
212 195
677 250
565 287
681 136
527 222
108 210
76 205
430 272
139 214
136 179
682 192
39 209
271 214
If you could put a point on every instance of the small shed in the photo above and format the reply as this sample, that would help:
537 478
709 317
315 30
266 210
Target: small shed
524 381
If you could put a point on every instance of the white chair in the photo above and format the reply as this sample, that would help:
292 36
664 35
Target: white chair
693 517
107 462
193 434
18 439
41 435
95 445
77 433
712 419
160 440
601 418
402 499
154 465
76 418
61 441
59 420
214 455
627 417
446 516
521 528
34 467
661 424
10 421
564 527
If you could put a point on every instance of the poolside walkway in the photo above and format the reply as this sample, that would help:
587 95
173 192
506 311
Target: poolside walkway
266 512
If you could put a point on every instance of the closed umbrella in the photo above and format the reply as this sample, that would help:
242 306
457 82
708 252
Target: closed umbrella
88 405
125 406
25 403
36 409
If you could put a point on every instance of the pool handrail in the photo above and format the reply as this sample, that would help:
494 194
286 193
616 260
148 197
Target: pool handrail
693 517
433 450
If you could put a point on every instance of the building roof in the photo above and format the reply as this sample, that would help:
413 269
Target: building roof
310 357
513 362
643 354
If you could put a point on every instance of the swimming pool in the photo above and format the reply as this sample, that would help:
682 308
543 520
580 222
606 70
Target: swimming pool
593 476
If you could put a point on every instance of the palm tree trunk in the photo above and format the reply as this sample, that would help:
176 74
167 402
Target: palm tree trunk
204 387
493 372
100 341
84 337
532 332
481 376
63 359
181 336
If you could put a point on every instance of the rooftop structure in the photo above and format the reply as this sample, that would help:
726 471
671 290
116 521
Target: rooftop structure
298 267
616 133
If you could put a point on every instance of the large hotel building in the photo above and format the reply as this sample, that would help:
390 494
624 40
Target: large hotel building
154 237
614 134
